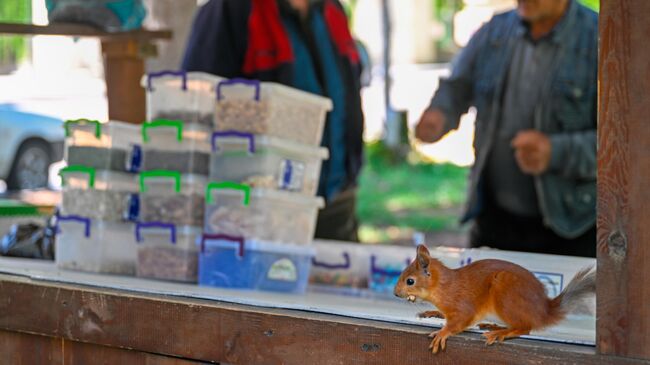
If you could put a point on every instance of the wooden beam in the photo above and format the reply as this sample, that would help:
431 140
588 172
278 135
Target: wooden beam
23 348
79 30
220 332
623 320
123 69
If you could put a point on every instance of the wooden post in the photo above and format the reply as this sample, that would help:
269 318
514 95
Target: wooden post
623 315
123 67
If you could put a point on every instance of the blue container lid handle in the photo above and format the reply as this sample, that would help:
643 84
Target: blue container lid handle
244 135
74 218
325 265
146 225
254 83
225 237
376 270
155 75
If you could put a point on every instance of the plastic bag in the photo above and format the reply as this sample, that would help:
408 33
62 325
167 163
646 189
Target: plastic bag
30 241
107 15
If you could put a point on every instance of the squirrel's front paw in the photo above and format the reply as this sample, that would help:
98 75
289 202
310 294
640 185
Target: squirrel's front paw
439 341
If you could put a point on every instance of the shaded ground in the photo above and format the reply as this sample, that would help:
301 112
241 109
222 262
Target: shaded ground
399 197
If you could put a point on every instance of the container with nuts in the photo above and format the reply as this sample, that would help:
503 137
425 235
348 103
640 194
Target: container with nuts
167 251
260 214
87 244
172 197
179 95
171 145
98 194
266 162
270 109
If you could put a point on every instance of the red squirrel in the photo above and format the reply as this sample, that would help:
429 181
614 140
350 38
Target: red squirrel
467 295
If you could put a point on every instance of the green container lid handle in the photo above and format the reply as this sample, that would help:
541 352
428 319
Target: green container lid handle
176 175
82 169
82 121
162 123
227 185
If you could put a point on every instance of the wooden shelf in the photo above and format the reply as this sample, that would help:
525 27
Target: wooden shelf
79 30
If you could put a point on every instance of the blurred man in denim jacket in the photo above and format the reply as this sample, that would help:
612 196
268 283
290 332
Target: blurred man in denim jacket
532 75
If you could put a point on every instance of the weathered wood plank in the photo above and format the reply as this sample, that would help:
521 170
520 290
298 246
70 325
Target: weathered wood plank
79 30
623 326
26 349
235 334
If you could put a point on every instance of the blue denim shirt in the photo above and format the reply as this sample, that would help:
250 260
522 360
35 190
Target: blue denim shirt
566 112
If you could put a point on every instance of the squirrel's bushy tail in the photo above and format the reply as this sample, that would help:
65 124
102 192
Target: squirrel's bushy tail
579 288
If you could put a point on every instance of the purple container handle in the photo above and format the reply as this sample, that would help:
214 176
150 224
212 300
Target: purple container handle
154 75
249 136
140 225
375 270
239 240
254 83
327 266
74 218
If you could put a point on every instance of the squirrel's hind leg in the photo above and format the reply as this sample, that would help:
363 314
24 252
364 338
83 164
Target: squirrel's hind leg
503 334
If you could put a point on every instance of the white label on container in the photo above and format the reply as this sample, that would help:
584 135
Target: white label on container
291 175
283 270
552 282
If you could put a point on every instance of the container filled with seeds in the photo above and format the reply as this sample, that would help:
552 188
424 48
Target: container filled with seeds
260 214
167 251
266 162
94 245
171 197
103 194
104 146
270 109
92 133
341 264
171 145
180 95
233 262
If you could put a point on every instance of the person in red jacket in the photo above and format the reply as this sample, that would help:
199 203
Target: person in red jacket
304 44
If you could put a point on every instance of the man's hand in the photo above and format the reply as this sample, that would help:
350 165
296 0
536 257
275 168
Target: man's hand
431 126
532 151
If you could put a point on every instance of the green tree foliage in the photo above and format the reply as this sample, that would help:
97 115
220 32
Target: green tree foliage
592 4
14 48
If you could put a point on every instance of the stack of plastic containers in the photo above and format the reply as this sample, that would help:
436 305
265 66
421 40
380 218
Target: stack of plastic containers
99 197
261 207
172 182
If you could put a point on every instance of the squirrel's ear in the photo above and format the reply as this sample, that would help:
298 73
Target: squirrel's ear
423 257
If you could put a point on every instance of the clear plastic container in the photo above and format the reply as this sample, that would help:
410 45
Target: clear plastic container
104 195
104 146
341 264
166 251
171 197
260 214
180 95
169 145
271 109
266 162
92 133
94 245
231 262
388 262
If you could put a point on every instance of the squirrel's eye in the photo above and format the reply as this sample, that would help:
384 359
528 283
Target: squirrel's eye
410 281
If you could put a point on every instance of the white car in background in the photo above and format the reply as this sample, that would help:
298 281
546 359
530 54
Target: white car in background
29 144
